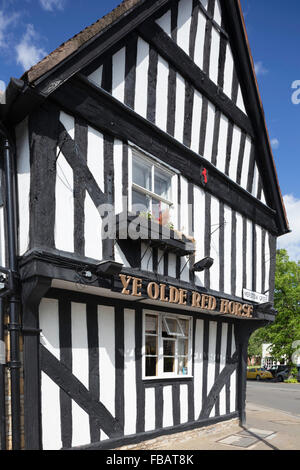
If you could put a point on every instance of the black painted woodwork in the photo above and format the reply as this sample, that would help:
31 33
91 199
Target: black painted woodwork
233 22
33 289
64 378
153 33
104 112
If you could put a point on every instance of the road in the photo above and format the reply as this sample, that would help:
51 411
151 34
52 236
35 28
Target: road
280 396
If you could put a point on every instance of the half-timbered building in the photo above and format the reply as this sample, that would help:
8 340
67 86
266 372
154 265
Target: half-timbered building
127 337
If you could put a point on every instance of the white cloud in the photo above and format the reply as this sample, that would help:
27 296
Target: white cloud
291 241
260 68
2 86
275 144
5 22
28 53
50 5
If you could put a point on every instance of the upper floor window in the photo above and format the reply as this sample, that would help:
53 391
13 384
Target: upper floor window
151 191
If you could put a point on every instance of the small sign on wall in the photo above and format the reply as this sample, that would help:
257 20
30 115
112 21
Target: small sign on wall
255 296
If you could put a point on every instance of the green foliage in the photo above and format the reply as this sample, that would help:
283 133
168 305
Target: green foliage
286 329
255 343
293 373
291 381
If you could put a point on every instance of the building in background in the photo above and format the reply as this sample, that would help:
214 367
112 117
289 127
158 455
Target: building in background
127 337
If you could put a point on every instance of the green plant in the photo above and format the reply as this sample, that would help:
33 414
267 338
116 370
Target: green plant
146 215
291 381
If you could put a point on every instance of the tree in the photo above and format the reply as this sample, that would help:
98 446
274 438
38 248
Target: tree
286 329
255 344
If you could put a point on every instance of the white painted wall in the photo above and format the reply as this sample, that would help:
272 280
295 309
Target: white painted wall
129 372
50 392
118 74
196 121
184 24
162 94
107 366
209 137
198 366
183 403
165 22
80 368
23 179
141 83
179 110
167 406
96 76
199 42
149 409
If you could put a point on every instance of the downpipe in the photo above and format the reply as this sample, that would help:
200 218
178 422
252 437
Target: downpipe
2 379
13 296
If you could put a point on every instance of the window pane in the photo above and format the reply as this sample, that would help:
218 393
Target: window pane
182 365
185 326
140 202
171 327
169 364
151 345
182 347
169 347
151 324
141 173
161 212
151 366
162 184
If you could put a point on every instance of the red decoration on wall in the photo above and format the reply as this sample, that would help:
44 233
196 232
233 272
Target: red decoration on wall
204 174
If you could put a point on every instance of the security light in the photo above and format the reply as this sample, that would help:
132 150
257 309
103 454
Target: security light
109 268
205 263
265 307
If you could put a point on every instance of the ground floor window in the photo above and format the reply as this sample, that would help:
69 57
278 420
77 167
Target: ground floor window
167 345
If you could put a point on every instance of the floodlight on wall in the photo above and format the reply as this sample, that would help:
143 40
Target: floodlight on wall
205 263
265 307
109 268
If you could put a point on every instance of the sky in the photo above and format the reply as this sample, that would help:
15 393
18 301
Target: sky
30 29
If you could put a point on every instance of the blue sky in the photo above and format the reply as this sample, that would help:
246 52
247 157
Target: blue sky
30 29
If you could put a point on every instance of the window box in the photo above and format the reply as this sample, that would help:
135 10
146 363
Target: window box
139 228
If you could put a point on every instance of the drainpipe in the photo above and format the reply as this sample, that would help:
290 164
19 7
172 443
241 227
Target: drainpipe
13 299
2 380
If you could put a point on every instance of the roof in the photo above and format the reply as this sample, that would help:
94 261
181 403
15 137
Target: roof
73 44
43 73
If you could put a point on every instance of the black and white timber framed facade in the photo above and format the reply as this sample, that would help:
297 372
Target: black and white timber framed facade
157 103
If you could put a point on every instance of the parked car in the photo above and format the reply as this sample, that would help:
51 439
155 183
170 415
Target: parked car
285 373
258 373
276 369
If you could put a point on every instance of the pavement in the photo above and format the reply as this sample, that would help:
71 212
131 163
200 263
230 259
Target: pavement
265 429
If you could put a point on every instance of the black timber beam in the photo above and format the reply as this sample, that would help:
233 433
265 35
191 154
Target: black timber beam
245 70
62 266
153 33
82 98
97 45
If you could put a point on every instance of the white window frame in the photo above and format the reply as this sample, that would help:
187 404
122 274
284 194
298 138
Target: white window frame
160 373
155 163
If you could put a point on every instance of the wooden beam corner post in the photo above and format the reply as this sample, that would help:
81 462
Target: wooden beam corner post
243 331
33 291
